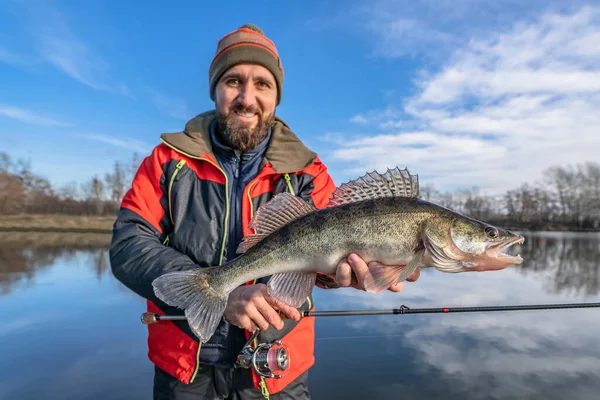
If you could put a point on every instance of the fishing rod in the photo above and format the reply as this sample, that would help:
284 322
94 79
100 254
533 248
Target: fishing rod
271 360
150 318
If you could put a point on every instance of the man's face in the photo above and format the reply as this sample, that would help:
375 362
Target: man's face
246 96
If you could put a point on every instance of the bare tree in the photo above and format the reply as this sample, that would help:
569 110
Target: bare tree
116 183
94 193
560 181
11 194
133 167
477 206
11 188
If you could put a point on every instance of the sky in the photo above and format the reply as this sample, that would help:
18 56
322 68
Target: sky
465 94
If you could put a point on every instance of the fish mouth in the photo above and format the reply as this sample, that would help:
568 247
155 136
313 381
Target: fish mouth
497 251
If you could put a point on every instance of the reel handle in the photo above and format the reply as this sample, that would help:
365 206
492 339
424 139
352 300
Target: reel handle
149 318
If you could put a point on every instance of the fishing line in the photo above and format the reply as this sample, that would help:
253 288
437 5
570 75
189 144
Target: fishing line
358 337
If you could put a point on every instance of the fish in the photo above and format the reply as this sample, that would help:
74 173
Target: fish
378 216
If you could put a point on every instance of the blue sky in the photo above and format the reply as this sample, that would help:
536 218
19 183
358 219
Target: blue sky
469 93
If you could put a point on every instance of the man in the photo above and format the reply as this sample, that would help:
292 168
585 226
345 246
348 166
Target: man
189 206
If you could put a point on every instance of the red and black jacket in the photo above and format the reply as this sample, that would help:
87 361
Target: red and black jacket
175 217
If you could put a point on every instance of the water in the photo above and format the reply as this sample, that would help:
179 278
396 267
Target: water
71 331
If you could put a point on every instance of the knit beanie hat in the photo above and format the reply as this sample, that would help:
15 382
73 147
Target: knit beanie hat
249 45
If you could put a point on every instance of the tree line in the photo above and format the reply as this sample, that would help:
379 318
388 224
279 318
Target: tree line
566 197
23 192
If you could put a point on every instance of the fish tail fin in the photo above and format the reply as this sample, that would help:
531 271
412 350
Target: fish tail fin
204 304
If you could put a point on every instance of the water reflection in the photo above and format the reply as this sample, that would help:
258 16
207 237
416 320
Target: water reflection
23 255
571 261
52 284
68 323
551 354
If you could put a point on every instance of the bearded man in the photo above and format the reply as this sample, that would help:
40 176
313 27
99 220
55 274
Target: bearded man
189 206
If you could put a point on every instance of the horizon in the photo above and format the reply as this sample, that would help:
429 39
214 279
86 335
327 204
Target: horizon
476 94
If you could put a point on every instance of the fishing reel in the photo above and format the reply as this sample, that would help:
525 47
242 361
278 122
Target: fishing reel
269 360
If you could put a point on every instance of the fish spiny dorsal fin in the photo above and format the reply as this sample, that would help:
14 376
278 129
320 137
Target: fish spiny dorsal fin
279 211
373 185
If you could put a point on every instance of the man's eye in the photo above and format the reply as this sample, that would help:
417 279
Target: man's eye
233 81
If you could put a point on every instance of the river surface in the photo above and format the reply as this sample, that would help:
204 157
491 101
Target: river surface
70 330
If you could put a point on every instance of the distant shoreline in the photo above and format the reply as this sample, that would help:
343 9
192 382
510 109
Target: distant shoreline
56 223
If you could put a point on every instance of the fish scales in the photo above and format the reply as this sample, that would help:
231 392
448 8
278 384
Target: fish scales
386 230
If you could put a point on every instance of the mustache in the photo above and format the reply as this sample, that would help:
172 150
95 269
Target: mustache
241 108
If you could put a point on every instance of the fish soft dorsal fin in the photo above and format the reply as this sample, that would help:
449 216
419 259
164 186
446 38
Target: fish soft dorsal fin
373 185
279 211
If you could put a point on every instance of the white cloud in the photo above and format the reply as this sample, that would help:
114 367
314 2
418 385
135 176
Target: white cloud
30 117
555 55
504 107
59 46
401 36
359 119
429 29
387 118
124 142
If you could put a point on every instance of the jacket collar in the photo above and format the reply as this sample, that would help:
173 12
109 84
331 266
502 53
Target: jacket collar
286 153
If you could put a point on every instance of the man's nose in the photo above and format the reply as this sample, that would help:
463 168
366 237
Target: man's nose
247 95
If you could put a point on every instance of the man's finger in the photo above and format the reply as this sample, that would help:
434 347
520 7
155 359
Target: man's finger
414 276
343 274
256 316
291 312
397 287
245 323
269 313
360 268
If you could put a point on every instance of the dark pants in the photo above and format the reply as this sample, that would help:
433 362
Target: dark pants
217 383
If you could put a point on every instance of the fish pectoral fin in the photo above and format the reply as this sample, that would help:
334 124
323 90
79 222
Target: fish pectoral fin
381 276
191 291
291 288
412 265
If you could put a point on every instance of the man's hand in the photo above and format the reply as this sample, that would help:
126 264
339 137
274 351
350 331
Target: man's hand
351 272
250 307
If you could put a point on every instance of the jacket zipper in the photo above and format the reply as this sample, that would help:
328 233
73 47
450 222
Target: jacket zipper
225 230
263 385
288 180
180 165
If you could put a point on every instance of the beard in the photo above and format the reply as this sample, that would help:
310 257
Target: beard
240 136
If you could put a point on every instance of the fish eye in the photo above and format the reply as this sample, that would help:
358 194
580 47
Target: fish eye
491 232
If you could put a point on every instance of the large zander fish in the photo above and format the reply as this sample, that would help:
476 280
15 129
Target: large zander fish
377 216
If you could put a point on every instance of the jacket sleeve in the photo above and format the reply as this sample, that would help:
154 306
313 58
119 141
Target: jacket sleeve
137 253
320 190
